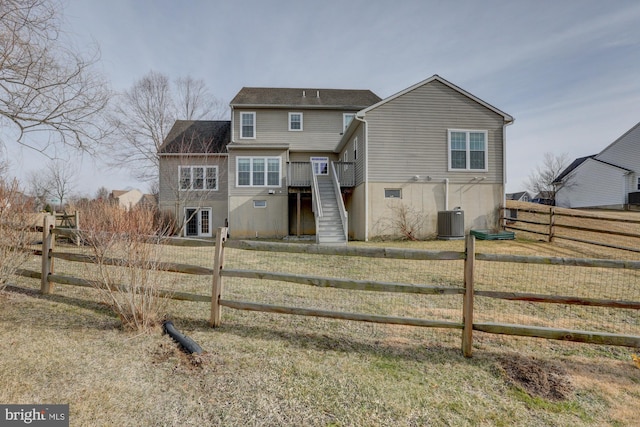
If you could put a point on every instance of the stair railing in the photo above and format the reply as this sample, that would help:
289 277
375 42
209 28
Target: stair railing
316 203
344 215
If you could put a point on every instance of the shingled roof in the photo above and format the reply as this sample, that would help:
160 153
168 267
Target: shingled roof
347 99
197 137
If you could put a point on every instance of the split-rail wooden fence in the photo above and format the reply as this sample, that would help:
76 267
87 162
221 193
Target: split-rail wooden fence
468 294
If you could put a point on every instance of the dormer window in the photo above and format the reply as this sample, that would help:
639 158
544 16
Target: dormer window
295 121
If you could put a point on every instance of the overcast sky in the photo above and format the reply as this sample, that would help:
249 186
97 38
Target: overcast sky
567 70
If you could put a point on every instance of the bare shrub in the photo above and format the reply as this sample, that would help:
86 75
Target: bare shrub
166 222
405 222
15 222
127 259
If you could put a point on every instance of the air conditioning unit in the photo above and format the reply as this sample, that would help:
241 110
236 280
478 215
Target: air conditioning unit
451 225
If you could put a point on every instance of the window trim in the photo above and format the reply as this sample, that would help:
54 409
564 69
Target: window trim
399 190
251 171
468 150
301 122
204 177
319 160
254 127
345 125
260 204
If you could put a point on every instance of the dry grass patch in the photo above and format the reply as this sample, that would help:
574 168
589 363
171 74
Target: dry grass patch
267 369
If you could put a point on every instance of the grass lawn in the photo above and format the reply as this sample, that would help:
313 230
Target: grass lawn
268 369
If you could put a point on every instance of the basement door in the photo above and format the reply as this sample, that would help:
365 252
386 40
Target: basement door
197 222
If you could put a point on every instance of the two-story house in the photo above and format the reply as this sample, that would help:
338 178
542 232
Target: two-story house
341 164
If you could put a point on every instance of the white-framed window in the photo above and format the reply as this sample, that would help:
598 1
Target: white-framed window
355 148
320 165
295 121
393 193
638 183
247 125
346 120
198 178
258 172
467 150
260 204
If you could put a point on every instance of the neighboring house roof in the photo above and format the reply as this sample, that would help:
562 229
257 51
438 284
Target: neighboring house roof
507 118
517 196
577 162
343 99
197 136
543 195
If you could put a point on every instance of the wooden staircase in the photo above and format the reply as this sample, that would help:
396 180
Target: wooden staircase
330 228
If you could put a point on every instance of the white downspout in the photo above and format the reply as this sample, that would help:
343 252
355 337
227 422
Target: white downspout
504 170
446 194
365 146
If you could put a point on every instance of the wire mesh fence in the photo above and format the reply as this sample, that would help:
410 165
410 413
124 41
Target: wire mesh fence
589 285
440 273
578 291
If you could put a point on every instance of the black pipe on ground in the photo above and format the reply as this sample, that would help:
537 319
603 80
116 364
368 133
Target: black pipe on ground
185 342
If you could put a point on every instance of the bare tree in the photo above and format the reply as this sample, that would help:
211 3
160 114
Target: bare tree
541 180
102 194
194 102
56 182
46 87
145 113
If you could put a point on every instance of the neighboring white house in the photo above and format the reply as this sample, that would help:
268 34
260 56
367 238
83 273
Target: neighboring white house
607 180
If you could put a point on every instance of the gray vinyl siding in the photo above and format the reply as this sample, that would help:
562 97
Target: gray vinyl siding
321 128
169 191
358 133
254 191
408 135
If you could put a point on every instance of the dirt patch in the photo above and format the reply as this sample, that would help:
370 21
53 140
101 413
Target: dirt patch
537 378
172 353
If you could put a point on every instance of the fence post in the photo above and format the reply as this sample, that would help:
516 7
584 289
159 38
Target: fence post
552 219
77 226
216 289
467 304
48 241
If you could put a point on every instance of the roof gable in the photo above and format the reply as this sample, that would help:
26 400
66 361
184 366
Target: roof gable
620 149
197 137
343 99
507 118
